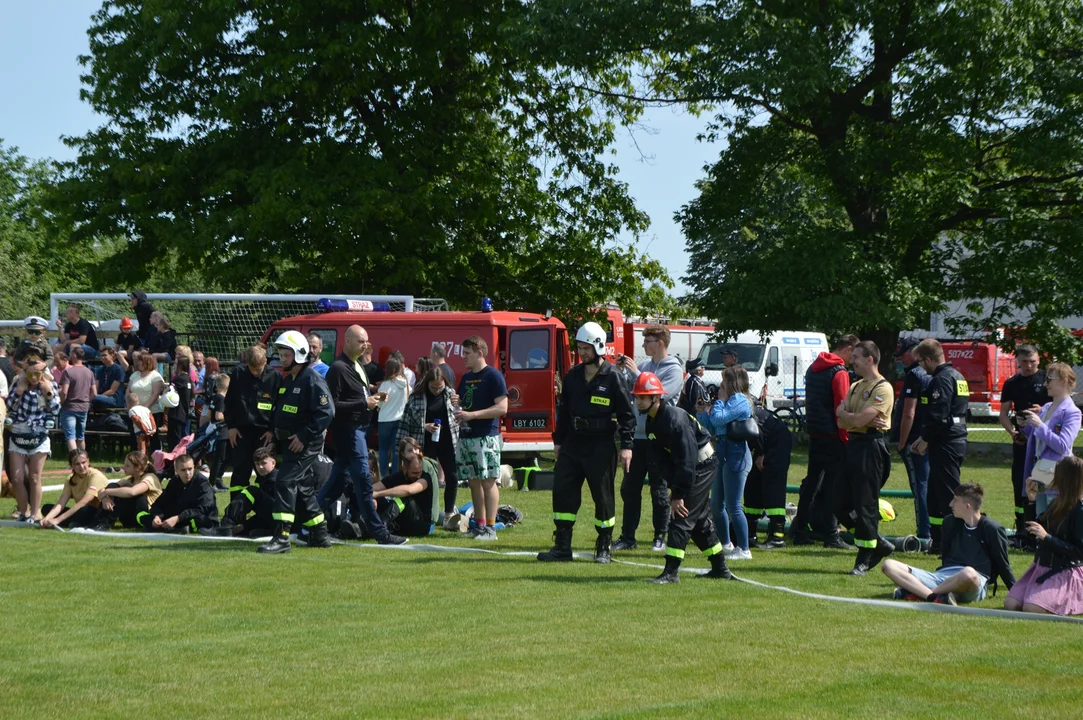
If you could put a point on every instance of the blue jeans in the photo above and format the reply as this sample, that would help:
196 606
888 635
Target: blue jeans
726 499
110 401
917 470
389 447
74 425
89 353
352 457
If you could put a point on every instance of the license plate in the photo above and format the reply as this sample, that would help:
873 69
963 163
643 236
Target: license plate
529 423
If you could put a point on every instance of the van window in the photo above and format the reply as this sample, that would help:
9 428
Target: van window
330 339
749 355
772 357
528 350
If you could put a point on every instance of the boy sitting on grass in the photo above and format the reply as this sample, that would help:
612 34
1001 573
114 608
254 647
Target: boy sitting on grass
186 504
83 487
405 499
131 498
974 549
251 499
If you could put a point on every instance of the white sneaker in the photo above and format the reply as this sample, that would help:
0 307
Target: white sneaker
727 548
486 533
738 554
451 522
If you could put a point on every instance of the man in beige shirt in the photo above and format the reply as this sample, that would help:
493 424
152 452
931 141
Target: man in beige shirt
866 414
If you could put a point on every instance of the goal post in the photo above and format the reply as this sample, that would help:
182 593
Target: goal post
221 325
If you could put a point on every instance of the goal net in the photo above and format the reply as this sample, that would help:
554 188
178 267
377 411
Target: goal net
218 325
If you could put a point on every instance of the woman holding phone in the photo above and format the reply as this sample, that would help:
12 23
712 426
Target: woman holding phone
1051 431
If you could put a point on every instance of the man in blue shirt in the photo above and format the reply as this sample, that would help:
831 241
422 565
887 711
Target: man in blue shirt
315 347
110 381
483 400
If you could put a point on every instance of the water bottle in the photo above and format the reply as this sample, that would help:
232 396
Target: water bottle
436 433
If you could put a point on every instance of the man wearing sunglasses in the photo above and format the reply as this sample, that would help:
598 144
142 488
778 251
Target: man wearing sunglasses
34 343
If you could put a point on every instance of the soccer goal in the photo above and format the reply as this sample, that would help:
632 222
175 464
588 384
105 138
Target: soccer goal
219 325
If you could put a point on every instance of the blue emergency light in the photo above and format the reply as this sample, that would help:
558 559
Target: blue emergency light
486 305
338 305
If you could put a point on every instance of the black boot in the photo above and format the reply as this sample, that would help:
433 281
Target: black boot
670 574
280 540
863 563
753 521
834 542
602 554
776 532
719 570
800 535
562 546
318 536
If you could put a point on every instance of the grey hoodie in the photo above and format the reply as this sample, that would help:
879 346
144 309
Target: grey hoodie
671 372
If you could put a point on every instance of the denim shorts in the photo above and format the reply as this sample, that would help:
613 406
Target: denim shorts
74 425
931 579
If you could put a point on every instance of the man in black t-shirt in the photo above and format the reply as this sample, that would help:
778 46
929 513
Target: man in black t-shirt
77 332
974 551
405 498
1023 391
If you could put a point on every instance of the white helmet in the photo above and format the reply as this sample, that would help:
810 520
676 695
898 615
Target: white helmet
170 398
294 341
592 334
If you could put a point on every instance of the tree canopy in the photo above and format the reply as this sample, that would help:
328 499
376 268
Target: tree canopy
372 147
883 159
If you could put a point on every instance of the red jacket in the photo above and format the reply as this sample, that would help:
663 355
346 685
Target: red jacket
840 384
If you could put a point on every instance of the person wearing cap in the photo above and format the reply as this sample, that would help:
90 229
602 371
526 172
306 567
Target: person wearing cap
680 451
694 390
906 426
34 343
729 357
142 310
127 343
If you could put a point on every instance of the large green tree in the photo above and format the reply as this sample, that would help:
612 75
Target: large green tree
884 159
386 146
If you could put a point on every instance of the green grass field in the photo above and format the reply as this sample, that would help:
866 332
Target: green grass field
108 627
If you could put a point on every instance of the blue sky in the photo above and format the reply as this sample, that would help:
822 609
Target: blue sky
40 41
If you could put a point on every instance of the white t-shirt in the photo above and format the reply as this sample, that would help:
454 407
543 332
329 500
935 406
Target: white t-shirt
142 386
411 378
397 390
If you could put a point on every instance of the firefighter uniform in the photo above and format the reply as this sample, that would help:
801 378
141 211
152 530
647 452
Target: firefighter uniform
681 452
249 409
585 433
303 409
254 500
947 396
1022 392
765 490
868 466
193 503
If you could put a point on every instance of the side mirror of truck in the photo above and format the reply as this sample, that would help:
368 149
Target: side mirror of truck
771 370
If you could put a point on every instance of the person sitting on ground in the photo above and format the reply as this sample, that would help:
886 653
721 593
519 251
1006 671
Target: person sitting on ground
131 498
77 332
110 381
974 551
407 499
214 411
315 346
77 388
6 366
60 364
186 504
163 345
83 487
31 404
33 344
249 512
1054 582
126 343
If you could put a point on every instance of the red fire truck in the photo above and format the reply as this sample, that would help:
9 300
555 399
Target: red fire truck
530 349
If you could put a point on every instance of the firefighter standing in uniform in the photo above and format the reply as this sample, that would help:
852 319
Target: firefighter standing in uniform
1020 393
943 434
680 450
303 413
583 444
765 488
249 413
866 415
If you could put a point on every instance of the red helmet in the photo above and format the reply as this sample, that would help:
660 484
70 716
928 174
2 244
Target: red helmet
648 384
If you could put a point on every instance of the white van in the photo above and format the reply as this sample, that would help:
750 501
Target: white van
778 362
